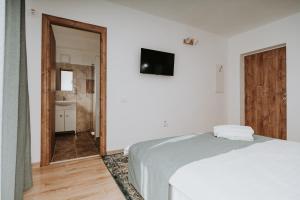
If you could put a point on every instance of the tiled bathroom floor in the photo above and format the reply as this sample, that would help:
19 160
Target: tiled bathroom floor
69 146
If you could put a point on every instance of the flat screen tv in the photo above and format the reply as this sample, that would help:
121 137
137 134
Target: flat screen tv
157 62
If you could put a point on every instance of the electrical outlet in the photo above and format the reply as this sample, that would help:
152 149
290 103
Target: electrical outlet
165 124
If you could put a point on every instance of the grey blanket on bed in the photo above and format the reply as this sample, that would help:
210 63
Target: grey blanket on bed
152 163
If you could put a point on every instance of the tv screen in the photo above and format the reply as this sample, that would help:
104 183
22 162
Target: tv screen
157 62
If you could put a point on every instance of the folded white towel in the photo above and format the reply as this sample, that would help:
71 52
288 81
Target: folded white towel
234 132
235 128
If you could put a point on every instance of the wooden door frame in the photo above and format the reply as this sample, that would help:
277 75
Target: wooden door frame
47 21
242 77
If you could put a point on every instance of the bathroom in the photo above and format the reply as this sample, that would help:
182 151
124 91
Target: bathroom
77 94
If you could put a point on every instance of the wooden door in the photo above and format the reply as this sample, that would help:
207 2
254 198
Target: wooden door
265 93
52 79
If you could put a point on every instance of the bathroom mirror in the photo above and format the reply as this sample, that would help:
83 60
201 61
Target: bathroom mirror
66 80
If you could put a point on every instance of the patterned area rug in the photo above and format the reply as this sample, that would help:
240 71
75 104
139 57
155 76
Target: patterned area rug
117 164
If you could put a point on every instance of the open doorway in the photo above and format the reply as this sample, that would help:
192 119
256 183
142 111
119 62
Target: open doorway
77 86
73 90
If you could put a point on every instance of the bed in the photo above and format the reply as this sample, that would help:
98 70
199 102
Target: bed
201 166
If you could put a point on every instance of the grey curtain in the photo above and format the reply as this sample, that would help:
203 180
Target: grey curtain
16 155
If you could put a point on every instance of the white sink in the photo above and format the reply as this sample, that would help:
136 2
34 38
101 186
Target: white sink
64 103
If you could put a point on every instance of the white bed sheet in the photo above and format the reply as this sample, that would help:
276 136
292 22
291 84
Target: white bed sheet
176 194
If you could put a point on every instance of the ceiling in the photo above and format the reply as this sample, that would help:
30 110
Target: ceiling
61 30
223 17
77 39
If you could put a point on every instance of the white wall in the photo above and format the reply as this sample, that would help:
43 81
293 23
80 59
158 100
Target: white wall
137 104
76 56
286 31
76 46
2 36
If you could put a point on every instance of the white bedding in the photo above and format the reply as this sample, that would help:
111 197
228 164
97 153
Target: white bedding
176 194
234 132
263 171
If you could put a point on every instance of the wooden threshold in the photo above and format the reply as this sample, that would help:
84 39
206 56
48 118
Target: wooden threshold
75 159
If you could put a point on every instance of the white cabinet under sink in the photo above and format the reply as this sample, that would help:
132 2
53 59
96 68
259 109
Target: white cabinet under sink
65 117
59 120
70 120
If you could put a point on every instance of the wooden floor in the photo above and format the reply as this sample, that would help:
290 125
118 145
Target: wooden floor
86 179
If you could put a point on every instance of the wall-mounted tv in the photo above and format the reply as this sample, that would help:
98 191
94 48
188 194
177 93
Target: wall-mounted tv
157 62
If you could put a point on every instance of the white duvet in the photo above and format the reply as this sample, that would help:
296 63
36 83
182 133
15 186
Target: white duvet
262 171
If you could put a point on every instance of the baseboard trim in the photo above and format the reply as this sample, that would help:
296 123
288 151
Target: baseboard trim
36 165
114 151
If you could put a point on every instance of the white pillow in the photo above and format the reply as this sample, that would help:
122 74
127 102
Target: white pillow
234 132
